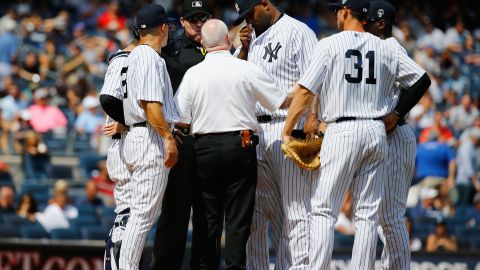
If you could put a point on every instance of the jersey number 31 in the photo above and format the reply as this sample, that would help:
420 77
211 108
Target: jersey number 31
358 65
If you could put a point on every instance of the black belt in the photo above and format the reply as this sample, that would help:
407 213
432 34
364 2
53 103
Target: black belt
140 124
229 133
264 118
343 119
184 130
117 136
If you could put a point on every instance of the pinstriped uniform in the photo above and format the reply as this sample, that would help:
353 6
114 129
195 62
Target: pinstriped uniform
397 170
143 151
354 75
283 189
117 170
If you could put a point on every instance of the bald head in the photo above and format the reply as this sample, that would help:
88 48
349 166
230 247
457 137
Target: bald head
215 36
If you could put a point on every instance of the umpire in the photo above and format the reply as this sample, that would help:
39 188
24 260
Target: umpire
182 192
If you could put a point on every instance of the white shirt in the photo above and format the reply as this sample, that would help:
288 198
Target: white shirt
54 217
283 52
146 79
354 75
220 93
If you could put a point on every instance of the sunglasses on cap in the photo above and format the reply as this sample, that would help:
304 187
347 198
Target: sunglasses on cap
195 18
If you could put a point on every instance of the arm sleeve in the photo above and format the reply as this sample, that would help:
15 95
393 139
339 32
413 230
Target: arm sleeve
183 100
408 72
150 71
315 74
113 107
266 91
411 96
112 83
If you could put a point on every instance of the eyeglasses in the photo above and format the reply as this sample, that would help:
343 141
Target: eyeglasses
195 19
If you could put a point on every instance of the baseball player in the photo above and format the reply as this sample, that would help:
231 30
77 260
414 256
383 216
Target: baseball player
399 166
111 97
354 96
281 47
149 148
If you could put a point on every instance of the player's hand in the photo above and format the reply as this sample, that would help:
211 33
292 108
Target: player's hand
391 120
310 128
246 36
322 128
171 152
286 138
114 128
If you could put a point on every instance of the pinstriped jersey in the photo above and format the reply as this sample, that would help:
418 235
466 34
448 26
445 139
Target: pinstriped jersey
283 52
397 88
145 77
112 84
354 75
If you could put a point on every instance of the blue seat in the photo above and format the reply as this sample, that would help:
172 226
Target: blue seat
85 220
14 220
94 232
474 242
56 143
89 163
82 143
343 242
63 234
33 232
9 231
107 221
35 188
105 211
60 172
86 209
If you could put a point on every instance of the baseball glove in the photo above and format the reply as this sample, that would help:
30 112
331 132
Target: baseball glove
304 153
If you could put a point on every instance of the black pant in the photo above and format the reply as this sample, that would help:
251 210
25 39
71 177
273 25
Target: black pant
227 174
182 194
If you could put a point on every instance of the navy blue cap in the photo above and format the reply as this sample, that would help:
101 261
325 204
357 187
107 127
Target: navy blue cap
360 6
150 16
244 7
381 10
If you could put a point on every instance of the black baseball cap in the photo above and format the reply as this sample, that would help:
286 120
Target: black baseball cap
191 7
360 6
381 10
150 16
244 7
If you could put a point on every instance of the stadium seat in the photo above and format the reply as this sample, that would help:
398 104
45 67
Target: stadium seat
86 209
475 242
14 220
107 221
85 220
82 143
64 234
9 231
35 188
88 163
94 232
56 143
105 211
33 231
60 172
343 242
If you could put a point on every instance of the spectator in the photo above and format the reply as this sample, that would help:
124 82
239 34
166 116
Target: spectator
433 37
7 196
104 184
5 175
44 117
35 157
422 115
426 207
57 214
440 240
443 203
11 105
439 129
344 223
27 207
90 120
462 116
473 213
90 197
467 165
415 243
456 35
475 128
9 44
111 19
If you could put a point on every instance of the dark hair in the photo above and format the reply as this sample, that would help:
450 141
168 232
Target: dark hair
33 203
357 15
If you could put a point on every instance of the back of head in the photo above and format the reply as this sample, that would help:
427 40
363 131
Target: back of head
215 35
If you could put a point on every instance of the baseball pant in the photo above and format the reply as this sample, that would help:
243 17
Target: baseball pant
351 156
283 199
227 174
397 171
144 156
182 193
118 173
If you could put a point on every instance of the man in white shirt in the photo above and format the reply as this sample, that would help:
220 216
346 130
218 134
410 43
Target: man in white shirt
218 97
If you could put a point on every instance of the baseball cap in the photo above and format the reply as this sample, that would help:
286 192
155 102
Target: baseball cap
381 10
41 93
150 16
428 193
90 102
360 6
191 7
244 7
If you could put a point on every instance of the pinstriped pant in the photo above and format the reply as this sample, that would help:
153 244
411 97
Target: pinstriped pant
351 155
118 172
143 153
283 202
397 171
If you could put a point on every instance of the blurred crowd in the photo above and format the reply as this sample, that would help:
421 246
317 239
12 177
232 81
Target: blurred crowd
53 58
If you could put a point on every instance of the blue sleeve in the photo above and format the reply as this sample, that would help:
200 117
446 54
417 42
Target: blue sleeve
450 154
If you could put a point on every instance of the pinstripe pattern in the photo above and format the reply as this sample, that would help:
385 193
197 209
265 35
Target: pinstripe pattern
148 80
280 182
397 172
351 153
338 97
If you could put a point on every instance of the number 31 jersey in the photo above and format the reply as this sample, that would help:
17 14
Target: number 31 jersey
354 74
